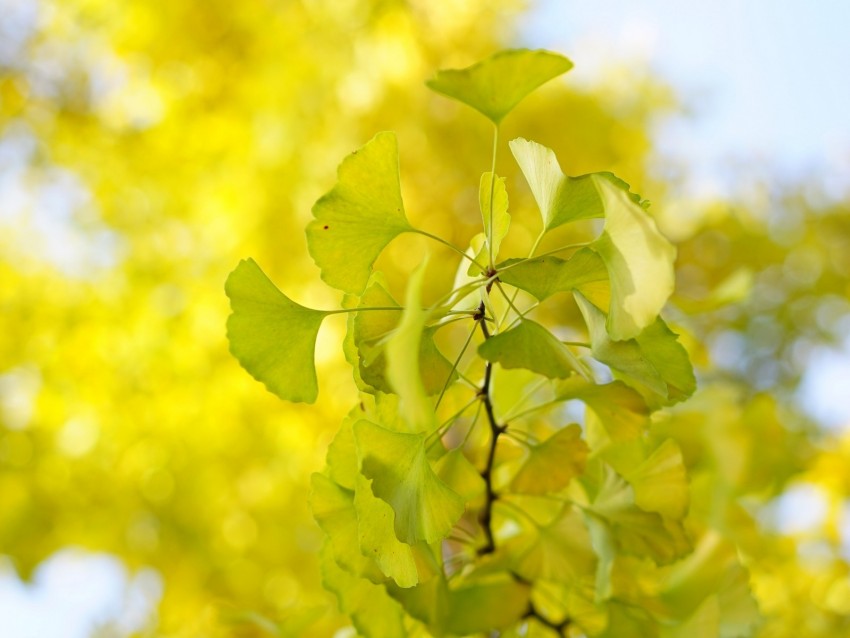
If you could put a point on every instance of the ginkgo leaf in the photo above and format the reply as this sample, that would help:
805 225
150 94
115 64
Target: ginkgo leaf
553 463
496 85
560 198
377 539
372 330
360 215
498 214
403 354
333 509
633 530
661 483
621 410
531 346
468 273
638 258
560 551
455 470
270 335
655 361
639 261
425 508
373 612
342 452
545 276
487 606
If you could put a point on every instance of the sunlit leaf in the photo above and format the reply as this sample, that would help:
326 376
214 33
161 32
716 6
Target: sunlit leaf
621 410
333 509
425 508
373 612
360 215
501 219
273 337
633 530
496 85
553 463
661 483
372 331
376 536
455 470
560 198
342 452
655 361
545 276
532 347
486 606
560 551
403 353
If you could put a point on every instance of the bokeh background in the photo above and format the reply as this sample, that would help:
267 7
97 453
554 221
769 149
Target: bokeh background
148 486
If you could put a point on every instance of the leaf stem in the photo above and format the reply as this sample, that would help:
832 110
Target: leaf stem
492 192
454 367
450 245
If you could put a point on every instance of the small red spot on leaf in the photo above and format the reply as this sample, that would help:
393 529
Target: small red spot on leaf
325 227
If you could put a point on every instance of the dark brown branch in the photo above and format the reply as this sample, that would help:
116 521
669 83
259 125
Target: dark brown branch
557 627
486 517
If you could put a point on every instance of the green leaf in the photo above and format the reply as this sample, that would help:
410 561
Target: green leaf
639 261
487 606
377 539
621 410
373 612
655 362
360 215
372 330
661 483
560 551
270 335
333 509
560 198
530 346
403 354
633 530
496 85
500 216
545 276
425 508
342 452
455 470
552 464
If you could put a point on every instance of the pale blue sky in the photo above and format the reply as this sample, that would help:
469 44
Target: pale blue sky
767 79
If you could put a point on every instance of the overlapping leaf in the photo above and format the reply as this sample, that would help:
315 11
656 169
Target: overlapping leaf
655 362
425 508
551 464
360 215
532 347
496 220
621 410
496 85
273 337
371 332
544 276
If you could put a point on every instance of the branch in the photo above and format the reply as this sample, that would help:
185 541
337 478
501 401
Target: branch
557 627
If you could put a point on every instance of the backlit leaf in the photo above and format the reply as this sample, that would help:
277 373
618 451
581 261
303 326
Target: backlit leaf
372 611
486 606
639 261
661 483
532 347
372 331
273 337
553 463
545 276
655 362
377 539
496 85
621 410
360 215
425 508
500 217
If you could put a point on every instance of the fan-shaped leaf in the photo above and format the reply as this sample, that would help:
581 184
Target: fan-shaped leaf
661 483
360 215
621 410
377 539
530 346
501 219
373 612
496 85
553 463
425 507
655 362
273 337
545 276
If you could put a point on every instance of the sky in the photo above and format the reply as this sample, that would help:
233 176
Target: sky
765 80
